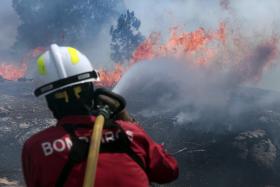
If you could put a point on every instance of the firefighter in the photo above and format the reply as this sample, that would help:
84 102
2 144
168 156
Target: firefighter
57 155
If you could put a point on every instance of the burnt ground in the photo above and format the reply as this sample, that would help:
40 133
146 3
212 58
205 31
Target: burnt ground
233 146
21 115
217 149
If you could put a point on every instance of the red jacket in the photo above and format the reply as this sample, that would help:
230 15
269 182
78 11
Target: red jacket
45 154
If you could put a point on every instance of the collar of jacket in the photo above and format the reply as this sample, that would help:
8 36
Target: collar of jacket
78 119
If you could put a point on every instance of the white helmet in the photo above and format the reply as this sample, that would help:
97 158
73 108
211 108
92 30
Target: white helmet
61 67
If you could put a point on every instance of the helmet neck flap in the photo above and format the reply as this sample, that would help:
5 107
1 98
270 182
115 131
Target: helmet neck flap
68 102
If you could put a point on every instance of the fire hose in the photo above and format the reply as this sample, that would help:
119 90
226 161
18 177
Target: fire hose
105 112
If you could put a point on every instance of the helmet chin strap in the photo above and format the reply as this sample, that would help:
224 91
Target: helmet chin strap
87 92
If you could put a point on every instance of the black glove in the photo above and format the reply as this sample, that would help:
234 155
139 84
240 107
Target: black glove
123 115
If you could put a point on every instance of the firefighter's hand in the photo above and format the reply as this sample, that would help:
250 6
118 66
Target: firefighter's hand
123 115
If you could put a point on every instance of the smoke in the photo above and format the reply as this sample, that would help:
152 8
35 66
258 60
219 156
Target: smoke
249 22
190 93
250 16
189 14
249 57
200 90
9 22
27 25
166 85
254 16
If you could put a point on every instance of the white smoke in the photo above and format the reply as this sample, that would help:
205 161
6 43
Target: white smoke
255 21
250 15
9 22
167 85
188 14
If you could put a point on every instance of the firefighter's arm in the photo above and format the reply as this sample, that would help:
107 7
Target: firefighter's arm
162 167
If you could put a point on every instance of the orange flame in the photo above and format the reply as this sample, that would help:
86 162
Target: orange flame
110 78
12 72
201 46
179 44
185 44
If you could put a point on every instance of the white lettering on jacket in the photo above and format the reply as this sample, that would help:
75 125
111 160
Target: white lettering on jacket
111 136
61 144
129 135
57 145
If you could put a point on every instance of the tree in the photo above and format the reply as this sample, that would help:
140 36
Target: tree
66 22
125 37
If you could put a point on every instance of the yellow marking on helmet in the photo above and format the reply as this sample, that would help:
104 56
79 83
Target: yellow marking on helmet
73 55
77 91
62 95
41 66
